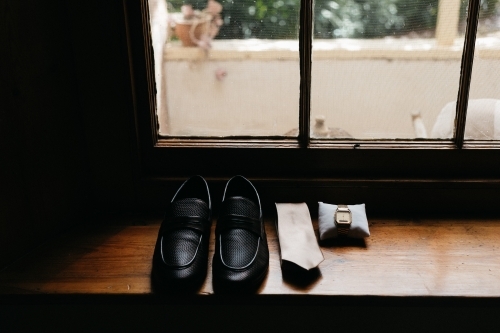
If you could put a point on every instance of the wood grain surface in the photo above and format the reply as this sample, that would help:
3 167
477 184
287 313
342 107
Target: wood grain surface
401 258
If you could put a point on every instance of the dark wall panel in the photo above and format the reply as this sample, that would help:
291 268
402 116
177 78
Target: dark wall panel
43 158
103 72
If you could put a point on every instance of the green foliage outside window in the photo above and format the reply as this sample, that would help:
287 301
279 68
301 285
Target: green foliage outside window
373 18
273 19
278 19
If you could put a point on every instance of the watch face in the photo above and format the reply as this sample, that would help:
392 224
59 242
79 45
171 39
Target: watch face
343 218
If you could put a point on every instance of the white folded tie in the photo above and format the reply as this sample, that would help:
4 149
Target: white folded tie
298 243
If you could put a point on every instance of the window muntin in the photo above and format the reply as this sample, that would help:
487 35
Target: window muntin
483 112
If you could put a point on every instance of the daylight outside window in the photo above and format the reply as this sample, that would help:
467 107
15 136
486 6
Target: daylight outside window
381 69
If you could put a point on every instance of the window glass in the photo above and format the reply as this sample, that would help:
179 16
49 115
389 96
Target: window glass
384 69
483 112
228 68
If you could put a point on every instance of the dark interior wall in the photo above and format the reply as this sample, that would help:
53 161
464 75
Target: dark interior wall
65 101
101 63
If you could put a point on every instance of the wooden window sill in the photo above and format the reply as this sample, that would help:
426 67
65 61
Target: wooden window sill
429 257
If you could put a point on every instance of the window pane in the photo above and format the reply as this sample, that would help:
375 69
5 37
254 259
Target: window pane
384 69
483 112
229 68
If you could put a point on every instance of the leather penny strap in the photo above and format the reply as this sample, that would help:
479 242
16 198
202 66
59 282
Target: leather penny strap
192 222
239 212
239 222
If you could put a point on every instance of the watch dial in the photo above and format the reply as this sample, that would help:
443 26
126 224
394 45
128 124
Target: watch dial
343 217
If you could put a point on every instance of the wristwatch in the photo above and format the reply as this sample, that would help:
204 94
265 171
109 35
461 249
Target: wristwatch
343 220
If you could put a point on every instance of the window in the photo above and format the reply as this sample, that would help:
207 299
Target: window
376 65
378 164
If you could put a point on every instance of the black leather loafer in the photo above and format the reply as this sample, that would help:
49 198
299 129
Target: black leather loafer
181 253
241 258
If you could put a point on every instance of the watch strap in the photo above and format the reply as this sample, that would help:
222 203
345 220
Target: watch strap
342 230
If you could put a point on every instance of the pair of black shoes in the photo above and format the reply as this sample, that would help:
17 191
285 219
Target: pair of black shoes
241 258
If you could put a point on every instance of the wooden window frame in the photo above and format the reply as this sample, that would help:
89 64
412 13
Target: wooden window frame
463 172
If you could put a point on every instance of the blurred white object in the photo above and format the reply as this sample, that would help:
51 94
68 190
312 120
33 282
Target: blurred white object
187 11
159 35
319 129
418 125
483 120
213 7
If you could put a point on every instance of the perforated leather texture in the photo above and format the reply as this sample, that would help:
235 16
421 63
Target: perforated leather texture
251 275
180 246
189 207
238 247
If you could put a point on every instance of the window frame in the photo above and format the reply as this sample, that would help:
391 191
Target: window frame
307 165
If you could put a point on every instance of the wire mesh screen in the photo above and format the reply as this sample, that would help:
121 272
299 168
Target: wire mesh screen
382 69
